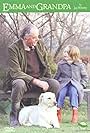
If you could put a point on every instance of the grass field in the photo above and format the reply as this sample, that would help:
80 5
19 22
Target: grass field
65 127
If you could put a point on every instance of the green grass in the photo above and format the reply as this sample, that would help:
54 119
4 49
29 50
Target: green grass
65 127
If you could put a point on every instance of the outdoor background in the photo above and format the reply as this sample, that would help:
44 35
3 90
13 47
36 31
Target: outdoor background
57 30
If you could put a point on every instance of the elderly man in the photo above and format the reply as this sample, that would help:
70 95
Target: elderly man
28 69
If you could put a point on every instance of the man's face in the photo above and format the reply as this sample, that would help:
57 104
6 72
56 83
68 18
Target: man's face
31 40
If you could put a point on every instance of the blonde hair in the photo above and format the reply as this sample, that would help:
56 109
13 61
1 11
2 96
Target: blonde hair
74 53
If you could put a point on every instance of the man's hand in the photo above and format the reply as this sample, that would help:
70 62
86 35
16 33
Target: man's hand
42 84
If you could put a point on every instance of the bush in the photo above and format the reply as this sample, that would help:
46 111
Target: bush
2 73
53 65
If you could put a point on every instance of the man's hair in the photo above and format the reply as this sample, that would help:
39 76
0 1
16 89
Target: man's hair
29 29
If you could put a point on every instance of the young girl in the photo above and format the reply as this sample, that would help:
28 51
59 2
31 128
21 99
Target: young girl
72 76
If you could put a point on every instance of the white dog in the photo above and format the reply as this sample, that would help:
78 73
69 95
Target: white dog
44 114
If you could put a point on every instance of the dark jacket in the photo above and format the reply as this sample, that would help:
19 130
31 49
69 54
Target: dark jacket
75 72
18 63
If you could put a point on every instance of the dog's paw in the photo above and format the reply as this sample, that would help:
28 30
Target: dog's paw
55 125
49 126
27 124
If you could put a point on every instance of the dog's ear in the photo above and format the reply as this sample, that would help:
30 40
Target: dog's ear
41 98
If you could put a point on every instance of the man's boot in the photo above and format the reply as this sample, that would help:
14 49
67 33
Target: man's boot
59 115
74 115
14 114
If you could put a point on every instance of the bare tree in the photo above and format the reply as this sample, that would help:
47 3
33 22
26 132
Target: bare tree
57 29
